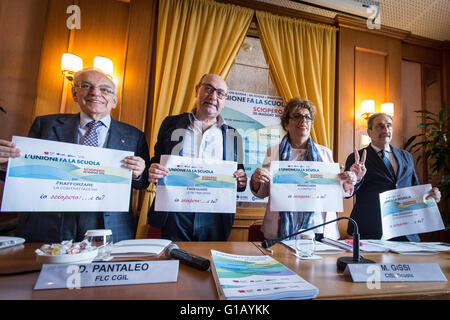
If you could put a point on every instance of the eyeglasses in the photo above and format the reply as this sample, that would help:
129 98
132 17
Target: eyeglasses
300 117
221 94
87 86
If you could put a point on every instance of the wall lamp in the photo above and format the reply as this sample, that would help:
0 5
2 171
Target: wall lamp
368 108
104 64
70 64
388 108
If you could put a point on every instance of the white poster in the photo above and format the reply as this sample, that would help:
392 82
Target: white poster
196 185
305 186
53 176
257 119
407 211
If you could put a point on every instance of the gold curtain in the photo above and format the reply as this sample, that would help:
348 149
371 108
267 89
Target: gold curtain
302 60
194 37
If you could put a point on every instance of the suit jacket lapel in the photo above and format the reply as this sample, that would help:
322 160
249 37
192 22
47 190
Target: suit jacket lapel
397 157
117 139
66 128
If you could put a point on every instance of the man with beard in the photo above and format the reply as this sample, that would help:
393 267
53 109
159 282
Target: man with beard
387 168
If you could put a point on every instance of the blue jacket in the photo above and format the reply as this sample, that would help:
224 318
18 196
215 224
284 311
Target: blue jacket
170 141
366 211
46 227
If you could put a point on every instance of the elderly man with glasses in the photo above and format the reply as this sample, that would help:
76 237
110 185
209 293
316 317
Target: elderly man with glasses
201 133
96 95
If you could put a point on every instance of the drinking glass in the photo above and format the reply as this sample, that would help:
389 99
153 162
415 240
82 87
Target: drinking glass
305 244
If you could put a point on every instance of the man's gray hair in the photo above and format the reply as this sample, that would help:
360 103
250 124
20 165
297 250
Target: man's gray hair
88 69
374 116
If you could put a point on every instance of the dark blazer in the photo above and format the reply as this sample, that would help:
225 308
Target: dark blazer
45 227
366 211
170 141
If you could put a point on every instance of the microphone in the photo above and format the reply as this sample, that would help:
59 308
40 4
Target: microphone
190 259
342 262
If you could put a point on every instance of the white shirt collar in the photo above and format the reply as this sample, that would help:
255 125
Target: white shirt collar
85 119
388 148
220 121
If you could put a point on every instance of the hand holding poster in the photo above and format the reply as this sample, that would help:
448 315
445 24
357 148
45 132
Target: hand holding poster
196 185
52 176
407 211
305 186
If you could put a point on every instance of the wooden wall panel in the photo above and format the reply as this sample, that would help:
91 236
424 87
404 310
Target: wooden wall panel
369 67
412 100
22 28
104 31
371 82
50 79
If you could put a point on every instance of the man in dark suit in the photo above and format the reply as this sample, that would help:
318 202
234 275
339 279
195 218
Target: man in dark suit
385 168
96 95
201 133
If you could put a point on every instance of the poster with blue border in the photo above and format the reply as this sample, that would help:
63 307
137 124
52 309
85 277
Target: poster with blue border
196 185
257 119
408 211
52 176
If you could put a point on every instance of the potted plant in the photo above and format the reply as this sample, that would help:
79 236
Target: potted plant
436 147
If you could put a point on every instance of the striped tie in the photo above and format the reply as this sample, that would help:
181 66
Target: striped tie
387 163
91 136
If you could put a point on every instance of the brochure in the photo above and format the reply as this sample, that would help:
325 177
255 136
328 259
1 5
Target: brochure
257 278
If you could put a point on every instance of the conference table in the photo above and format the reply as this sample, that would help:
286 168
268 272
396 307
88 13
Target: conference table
19 272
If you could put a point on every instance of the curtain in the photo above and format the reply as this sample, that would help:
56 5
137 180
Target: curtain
302 60
194 37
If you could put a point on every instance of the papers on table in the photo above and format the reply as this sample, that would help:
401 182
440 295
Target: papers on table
404 247
364 245
305 186
196 185
257 278
319 248
52 176
392 246
407 211
139 247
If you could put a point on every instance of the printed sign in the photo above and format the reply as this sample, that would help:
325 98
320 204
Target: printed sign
305 186
73 276
395 272
196 185
407 211
53 176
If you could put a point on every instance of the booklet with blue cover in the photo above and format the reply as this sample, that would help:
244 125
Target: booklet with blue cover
257 278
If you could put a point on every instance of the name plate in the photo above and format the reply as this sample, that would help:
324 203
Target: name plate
395 272
76 276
